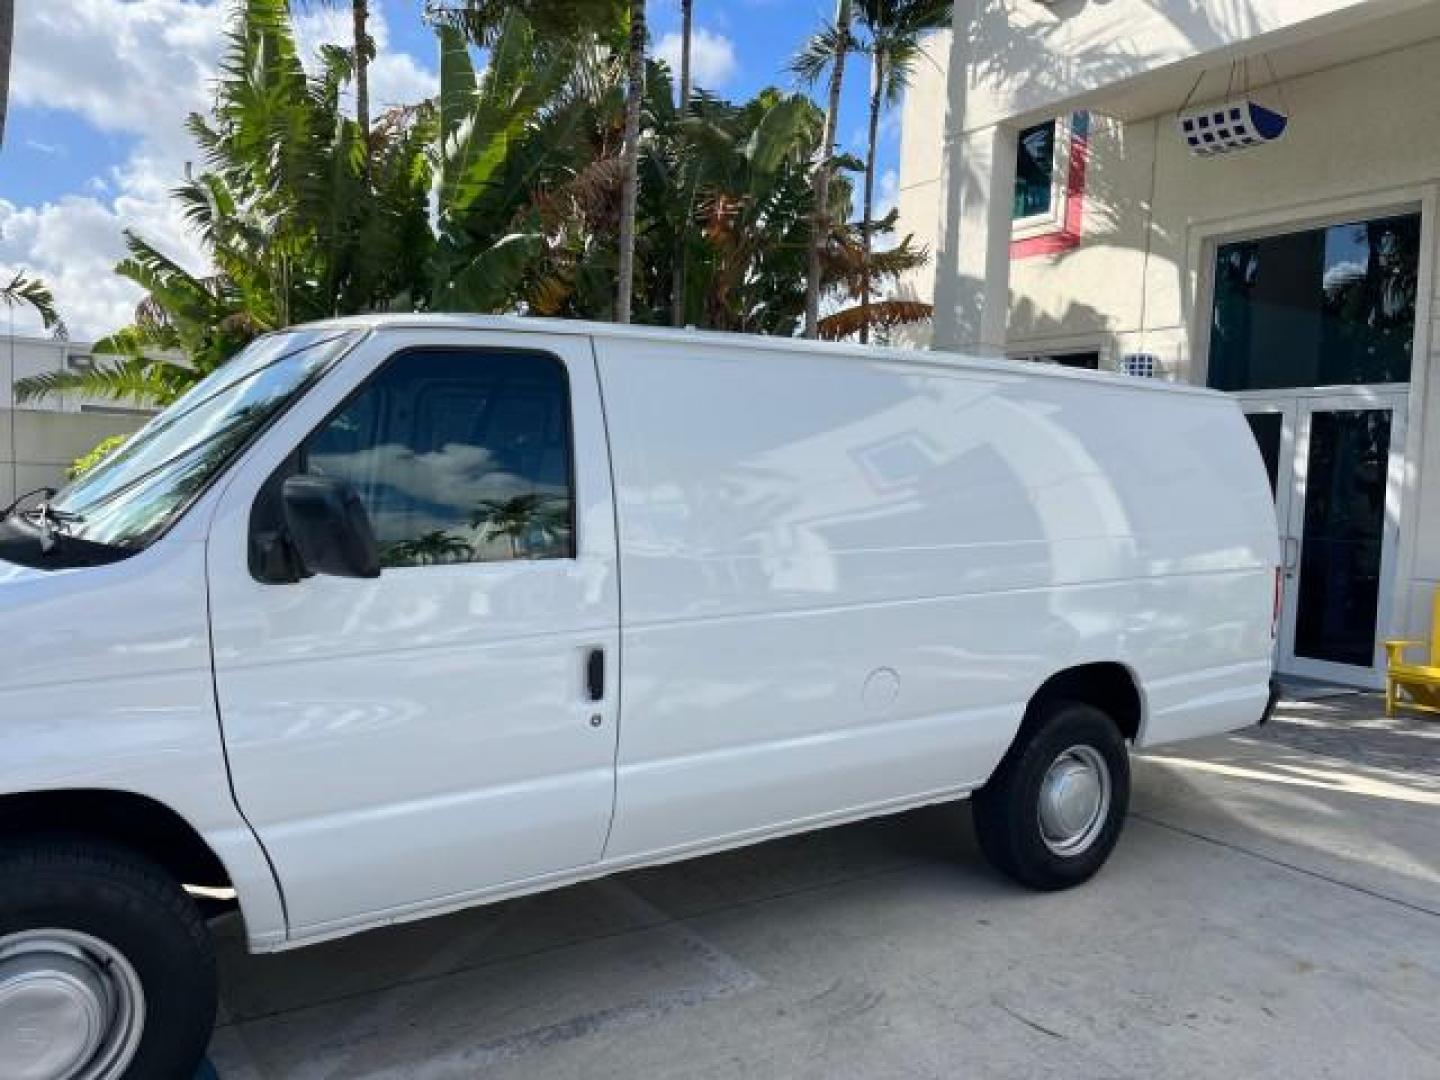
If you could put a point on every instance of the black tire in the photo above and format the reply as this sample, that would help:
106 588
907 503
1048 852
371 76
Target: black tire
1007 809
137 909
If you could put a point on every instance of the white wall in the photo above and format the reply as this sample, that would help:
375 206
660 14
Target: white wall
39 439
1028 58
1362 140
1010 62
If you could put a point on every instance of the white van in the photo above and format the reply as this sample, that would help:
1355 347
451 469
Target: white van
391 616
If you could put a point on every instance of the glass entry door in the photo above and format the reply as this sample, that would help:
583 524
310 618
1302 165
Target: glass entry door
1335 463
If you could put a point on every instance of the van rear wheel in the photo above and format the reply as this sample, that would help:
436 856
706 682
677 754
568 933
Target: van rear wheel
106 968
1051 814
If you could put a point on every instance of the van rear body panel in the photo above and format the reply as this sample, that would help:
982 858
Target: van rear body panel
843 581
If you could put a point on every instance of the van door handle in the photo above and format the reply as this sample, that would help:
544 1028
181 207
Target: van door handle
1292 555
595 674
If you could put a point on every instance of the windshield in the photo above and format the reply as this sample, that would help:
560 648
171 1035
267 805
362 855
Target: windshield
135 493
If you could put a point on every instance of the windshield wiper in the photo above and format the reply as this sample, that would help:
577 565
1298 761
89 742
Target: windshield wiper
48 520
45 493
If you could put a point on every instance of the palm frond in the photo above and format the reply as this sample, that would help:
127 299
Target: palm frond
818 54
124 378
878 315
23 291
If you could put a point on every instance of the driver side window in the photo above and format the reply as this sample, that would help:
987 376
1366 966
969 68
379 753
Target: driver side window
459 455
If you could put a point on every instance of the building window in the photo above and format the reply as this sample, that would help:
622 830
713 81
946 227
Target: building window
1048 209
1323 307
1035 172
458 457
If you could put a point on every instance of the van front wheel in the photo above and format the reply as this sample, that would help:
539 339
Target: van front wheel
1052 812
106 969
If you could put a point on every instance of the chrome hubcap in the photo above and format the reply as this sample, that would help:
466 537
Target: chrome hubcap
71 1007
1074 800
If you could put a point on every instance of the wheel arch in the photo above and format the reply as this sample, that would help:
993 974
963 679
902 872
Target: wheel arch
1108 685
129 820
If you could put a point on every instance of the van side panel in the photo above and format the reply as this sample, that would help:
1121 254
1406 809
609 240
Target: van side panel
842 580
109 688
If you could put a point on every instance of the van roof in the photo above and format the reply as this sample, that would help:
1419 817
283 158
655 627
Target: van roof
925 358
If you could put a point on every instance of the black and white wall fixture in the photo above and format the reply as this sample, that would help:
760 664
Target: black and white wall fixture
1231 125
1238 123
1141 365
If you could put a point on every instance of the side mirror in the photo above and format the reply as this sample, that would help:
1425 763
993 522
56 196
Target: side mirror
329 527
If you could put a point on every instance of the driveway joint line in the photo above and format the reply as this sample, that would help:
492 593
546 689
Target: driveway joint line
1282 864
667 921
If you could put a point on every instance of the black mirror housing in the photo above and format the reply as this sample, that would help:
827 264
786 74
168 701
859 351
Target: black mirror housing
329 527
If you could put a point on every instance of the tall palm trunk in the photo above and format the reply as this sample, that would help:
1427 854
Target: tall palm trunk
7 36
820 218
687 14
629 189
360 15
877 85
682 236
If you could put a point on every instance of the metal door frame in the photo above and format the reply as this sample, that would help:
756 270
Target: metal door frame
1297 407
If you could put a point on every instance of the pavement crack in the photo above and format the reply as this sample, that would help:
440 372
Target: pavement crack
1034 1025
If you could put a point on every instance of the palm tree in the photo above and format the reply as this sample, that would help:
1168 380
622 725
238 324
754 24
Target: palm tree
361 53
630 158
519 517
677 289
687 17
33 293
432 547
849 269
827 49
895 28
7 38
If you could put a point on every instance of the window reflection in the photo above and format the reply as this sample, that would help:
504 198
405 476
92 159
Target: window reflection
1323 307
458 456
1344 536
1035 170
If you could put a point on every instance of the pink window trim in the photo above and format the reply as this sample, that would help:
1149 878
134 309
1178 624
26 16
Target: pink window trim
1067 237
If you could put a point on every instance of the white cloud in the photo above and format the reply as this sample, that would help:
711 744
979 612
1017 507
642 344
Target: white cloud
124 67
1343 273
712 57
137 68
131 69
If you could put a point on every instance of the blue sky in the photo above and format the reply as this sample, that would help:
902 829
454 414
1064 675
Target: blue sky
100 88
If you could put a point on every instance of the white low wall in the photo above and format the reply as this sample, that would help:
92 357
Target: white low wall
37 445
39 439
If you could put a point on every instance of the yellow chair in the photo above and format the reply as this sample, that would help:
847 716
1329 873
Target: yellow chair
1420 682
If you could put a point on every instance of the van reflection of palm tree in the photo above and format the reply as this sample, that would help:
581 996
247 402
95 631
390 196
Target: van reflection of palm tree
521 516
427 548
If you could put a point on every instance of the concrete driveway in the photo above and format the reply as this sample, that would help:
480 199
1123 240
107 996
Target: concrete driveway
1273 910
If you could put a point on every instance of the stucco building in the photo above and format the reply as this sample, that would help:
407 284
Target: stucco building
40 438
1070 220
